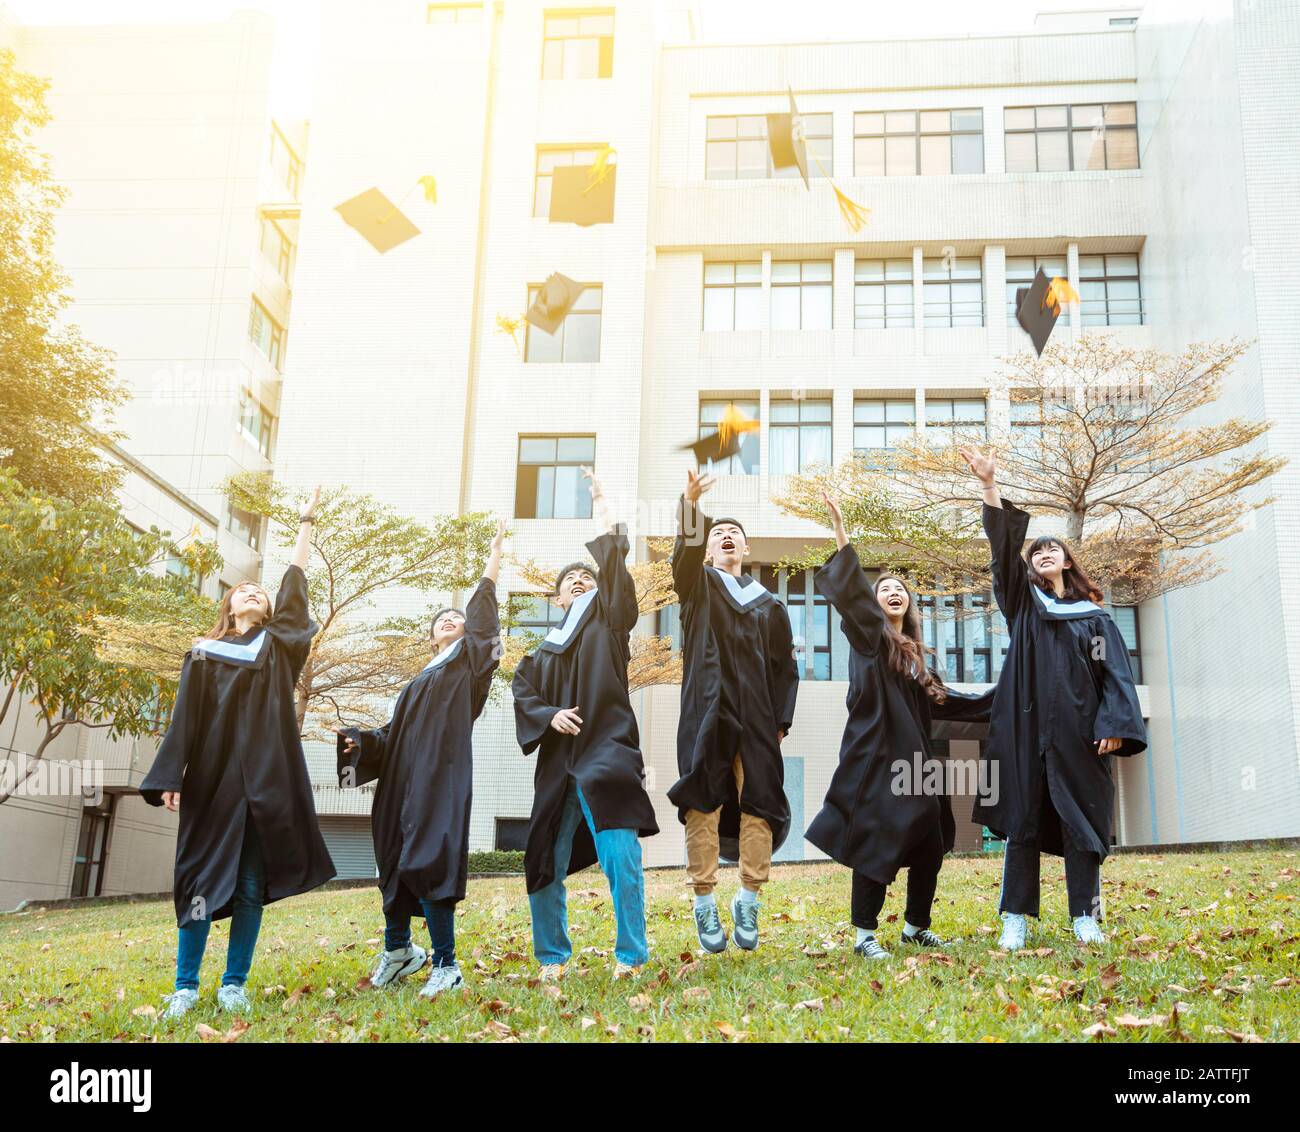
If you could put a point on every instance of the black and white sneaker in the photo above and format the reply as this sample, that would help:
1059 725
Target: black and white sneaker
926 938
870 948
396 965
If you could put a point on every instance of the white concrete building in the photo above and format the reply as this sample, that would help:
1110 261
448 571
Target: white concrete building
178 233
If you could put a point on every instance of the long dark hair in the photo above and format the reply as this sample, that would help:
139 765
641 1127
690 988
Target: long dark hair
1074 578
906 652
225 620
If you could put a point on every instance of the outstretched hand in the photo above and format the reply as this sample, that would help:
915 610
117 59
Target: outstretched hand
349 743
983 465
837 520
697 483
309 512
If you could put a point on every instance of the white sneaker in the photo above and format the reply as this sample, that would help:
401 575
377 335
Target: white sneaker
441 979
551 972
1013 932
395 965
233 1000
179 1003
623 971
1086 930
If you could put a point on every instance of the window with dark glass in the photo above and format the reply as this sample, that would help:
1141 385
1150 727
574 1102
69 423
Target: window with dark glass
244 525
91 857
879 424
810 618
549 483
534 615
903 143
256 422
511 835
742 463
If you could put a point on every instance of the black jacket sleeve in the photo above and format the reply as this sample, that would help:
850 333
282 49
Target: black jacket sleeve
689 548
533 714
366 759
842 582
1005 529
291 624
168 770
783 672
615 589
1119 715
483 630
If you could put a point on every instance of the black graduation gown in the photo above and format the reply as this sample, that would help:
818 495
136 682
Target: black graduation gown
583 663
1053 700
423 761
234 753
863 823
739 683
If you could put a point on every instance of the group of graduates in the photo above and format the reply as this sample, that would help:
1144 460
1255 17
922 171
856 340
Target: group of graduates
248 834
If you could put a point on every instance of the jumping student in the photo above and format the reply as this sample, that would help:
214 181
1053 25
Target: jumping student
739 684
589 801
423 761
1064 703
867 822
248 832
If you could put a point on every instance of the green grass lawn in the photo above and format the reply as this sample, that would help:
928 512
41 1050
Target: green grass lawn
1201 947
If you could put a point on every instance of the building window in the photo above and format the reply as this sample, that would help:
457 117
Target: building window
256 423
799 436
953 292
1054 139
959 416
801 295
878 426
266 334
1021 271
244 526
733 294
1126 621
511 835
576 339
744 462
533 615
1110 292
902 143
1122 21
177 567
549 483
454 13
578 44
736 149
882 293
278 248
285 163
550 158
91 858
810 618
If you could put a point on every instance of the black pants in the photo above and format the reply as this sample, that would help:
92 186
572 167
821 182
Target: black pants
1020 869
923 865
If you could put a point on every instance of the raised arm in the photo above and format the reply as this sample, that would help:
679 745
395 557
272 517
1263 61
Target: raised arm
302 549
692 536
842 582
492 568
1005 526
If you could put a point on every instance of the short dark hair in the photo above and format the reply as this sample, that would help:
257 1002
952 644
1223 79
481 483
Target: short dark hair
445 609
574 566
733 522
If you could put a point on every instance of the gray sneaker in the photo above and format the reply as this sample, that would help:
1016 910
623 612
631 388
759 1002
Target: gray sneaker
441 979
233 1000
926 938
870 948
708 926
395 965
1086 930
744 915
179 1003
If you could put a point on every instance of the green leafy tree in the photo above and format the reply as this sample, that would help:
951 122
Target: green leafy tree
67 570
363 549
54 384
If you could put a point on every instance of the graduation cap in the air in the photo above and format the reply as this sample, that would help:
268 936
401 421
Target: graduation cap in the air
1038 306
553 302
584 194
378 219
726 440
785 139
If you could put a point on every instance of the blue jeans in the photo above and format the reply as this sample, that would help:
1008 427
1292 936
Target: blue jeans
245 922
440 916
619 853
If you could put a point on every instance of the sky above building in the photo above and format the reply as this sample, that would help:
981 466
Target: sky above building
722 21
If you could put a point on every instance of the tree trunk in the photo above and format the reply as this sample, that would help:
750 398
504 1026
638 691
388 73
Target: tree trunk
1074 526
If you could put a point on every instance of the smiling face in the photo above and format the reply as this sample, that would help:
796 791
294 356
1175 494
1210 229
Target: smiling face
573 585
448 627
726 547
1050 560
249 601
893 597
